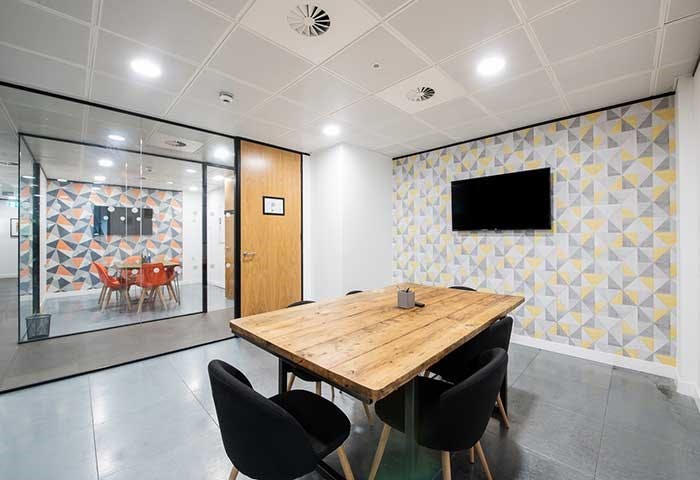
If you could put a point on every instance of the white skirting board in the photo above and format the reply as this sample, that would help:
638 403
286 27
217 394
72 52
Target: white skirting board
8 275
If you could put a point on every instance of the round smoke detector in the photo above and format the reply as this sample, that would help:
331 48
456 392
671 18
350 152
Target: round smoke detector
309 20
225 97
420 94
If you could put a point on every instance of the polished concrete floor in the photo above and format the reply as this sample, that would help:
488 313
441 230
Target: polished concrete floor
571 420
81 313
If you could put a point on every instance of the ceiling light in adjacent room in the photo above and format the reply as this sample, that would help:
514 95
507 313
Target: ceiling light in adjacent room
62 180
491 66
27 177
100 178
105 162
169 182
116 138
222 153
194 189
331 130
218 178
145 68
191 170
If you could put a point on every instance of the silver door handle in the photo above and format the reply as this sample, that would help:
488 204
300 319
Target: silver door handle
248 254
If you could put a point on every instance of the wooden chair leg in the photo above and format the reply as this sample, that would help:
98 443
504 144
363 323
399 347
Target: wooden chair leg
292 377
501 409
345 464
332 393
143 297
233 474
446 468
471 455
370 419
108 297
482 459
318 389
128 299
383 439
102 295
161 297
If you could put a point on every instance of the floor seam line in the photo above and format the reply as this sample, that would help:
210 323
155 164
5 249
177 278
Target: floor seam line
602 431
94 436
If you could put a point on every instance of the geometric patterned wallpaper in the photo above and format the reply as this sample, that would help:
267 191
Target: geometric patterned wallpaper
604 277
71 248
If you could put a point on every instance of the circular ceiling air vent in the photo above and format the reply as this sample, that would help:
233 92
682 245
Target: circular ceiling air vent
420 94
175 143
309 20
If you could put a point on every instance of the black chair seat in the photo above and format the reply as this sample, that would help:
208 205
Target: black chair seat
325 424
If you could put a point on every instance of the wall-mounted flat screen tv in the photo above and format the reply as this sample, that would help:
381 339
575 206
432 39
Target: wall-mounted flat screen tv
512 201
122 221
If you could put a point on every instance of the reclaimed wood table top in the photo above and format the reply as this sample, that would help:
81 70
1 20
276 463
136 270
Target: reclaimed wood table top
368 346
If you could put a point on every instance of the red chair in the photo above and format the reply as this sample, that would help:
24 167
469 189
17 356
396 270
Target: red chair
153 277
111 284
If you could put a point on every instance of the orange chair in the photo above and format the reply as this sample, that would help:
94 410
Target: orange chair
153 277
110 284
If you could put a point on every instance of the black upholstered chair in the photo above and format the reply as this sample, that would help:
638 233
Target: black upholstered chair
277 438
449 418
297 372
461 363
460 287
353 292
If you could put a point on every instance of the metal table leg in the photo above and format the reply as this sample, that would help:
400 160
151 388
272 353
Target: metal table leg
411 447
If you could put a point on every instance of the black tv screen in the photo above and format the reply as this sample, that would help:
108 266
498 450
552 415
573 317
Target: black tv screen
512 201
122 221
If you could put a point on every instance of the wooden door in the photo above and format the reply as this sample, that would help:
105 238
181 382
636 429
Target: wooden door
270 244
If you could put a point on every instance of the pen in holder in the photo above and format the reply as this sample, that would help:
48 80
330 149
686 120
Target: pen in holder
406 298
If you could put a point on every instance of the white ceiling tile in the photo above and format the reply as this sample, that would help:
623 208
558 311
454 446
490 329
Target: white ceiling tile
33 119
367 139
618 91
384 7
345 129
682 8
584 25
535 7
443 27
681 41
114 55
252 128
305 142
205 116
176 26
205 89
429 141
348 20
370 112
445 89
514 48
524 90
405 130
471 130
228 7
666 81
129 95
81 9
43 32
396 61
283 112
29 69
395 150
323 92
633 56
246 56
540 112
449 114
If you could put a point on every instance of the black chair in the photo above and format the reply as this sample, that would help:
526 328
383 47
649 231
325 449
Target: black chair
353 292
461 363
460 287
449 418
296 372
277 438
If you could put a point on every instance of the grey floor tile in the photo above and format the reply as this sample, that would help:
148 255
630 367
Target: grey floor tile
519 358
629 454
572 369
581 398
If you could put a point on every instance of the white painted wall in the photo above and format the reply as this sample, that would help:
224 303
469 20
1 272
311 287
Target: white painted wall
216 246
688 144
8 245
347 221
191 237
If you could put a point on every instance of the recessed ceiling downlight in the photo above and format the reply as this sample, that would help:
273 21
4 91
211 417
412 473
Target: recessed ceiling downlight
491 66
309 20
420 94
116 138
145 68
331 130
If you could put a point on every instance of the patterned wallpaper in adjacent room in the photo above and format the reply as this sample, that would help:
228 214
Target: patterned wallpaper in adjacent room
71 247
604 278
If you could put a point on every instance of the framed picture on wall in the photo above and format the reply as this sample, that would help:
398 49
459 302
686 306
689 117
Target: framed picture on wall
14 227
273 206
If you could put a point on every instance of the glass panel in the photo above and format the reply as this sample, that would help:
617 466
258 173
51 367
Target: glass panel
221 187
28 188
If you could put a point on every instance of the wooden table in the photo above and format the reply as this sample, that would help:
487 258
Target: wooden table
368 347
125 267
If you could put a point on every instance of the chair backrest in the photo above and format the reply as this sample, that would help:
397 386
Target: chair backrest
261 439
461 287
105 278
301 302
499 334
465 409
153 273
353 292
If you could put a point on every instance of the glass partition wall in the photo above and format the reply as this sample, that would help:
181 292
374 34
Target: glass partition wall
121 219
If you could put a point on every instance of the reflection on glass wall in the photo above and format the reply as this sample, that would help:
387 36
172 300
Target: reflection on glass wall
111 217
